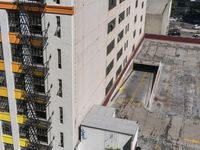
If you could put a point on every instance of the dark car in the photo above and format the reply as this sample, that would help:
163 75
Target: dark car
174 32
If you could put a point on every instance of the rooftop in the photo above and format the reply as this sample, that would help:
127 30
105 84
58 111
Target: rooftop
165 103
102 118
156 6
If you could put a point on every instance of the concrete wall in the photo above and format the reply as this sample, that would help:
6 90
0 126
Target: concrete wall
158 23
166 17
153 24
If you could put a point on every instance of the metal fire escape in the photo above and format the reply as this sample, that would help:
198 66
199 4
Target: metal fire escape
28 68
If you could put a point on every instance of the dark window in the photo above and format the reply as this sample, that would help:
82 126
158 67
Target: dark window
141 18
61 140
112 4
59 88
108 87
61 114
42 134
4 106
21 107
111 25
19 81
6 128
119 54
118 71
1 51
39 85
142 4
13 18
134 33
59 59
135 20
126 28
35 23
58 29
40 109
140 30
121 16
128 11
2 79
109 67
136 4
110 46
120 36
126 45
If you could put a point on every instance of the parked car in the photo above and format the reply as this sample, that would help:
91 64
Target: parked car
196 26
174 32
196 35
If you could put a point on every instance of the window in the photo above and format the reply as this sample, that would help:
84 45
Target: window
58 29
118 71
8 147
134 33
60 88
109 67
108 87
112 4
61 114
121 16
40 110
42 134
1 51
141 18
119 54
135 20
126 45
126 28
2 79
142 4
140 30
39 84
61 140
4 106
6 128
120 36
128 11
120 1
110 46
136 4
13 18
111 25
59 59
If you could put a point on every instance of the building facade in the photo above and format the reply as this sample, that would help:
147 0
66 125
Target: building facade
58 59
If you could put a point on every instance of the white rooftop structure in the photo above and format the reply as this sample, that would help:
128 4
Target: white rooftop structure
102 118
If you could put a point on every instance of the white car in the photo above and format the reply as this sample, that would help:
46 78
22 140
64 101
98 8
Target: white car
196 26
196 35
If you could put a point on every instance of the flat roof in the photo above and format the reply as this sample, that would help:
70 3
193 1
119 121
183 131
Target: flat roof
101 117
168 117
156 6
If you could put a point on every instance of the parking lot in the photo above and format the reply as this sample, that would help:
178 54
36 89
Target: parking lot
186 29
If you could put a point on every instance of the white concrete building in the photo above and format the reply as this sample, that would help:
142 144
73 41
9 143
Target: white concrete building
85 46
157 16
